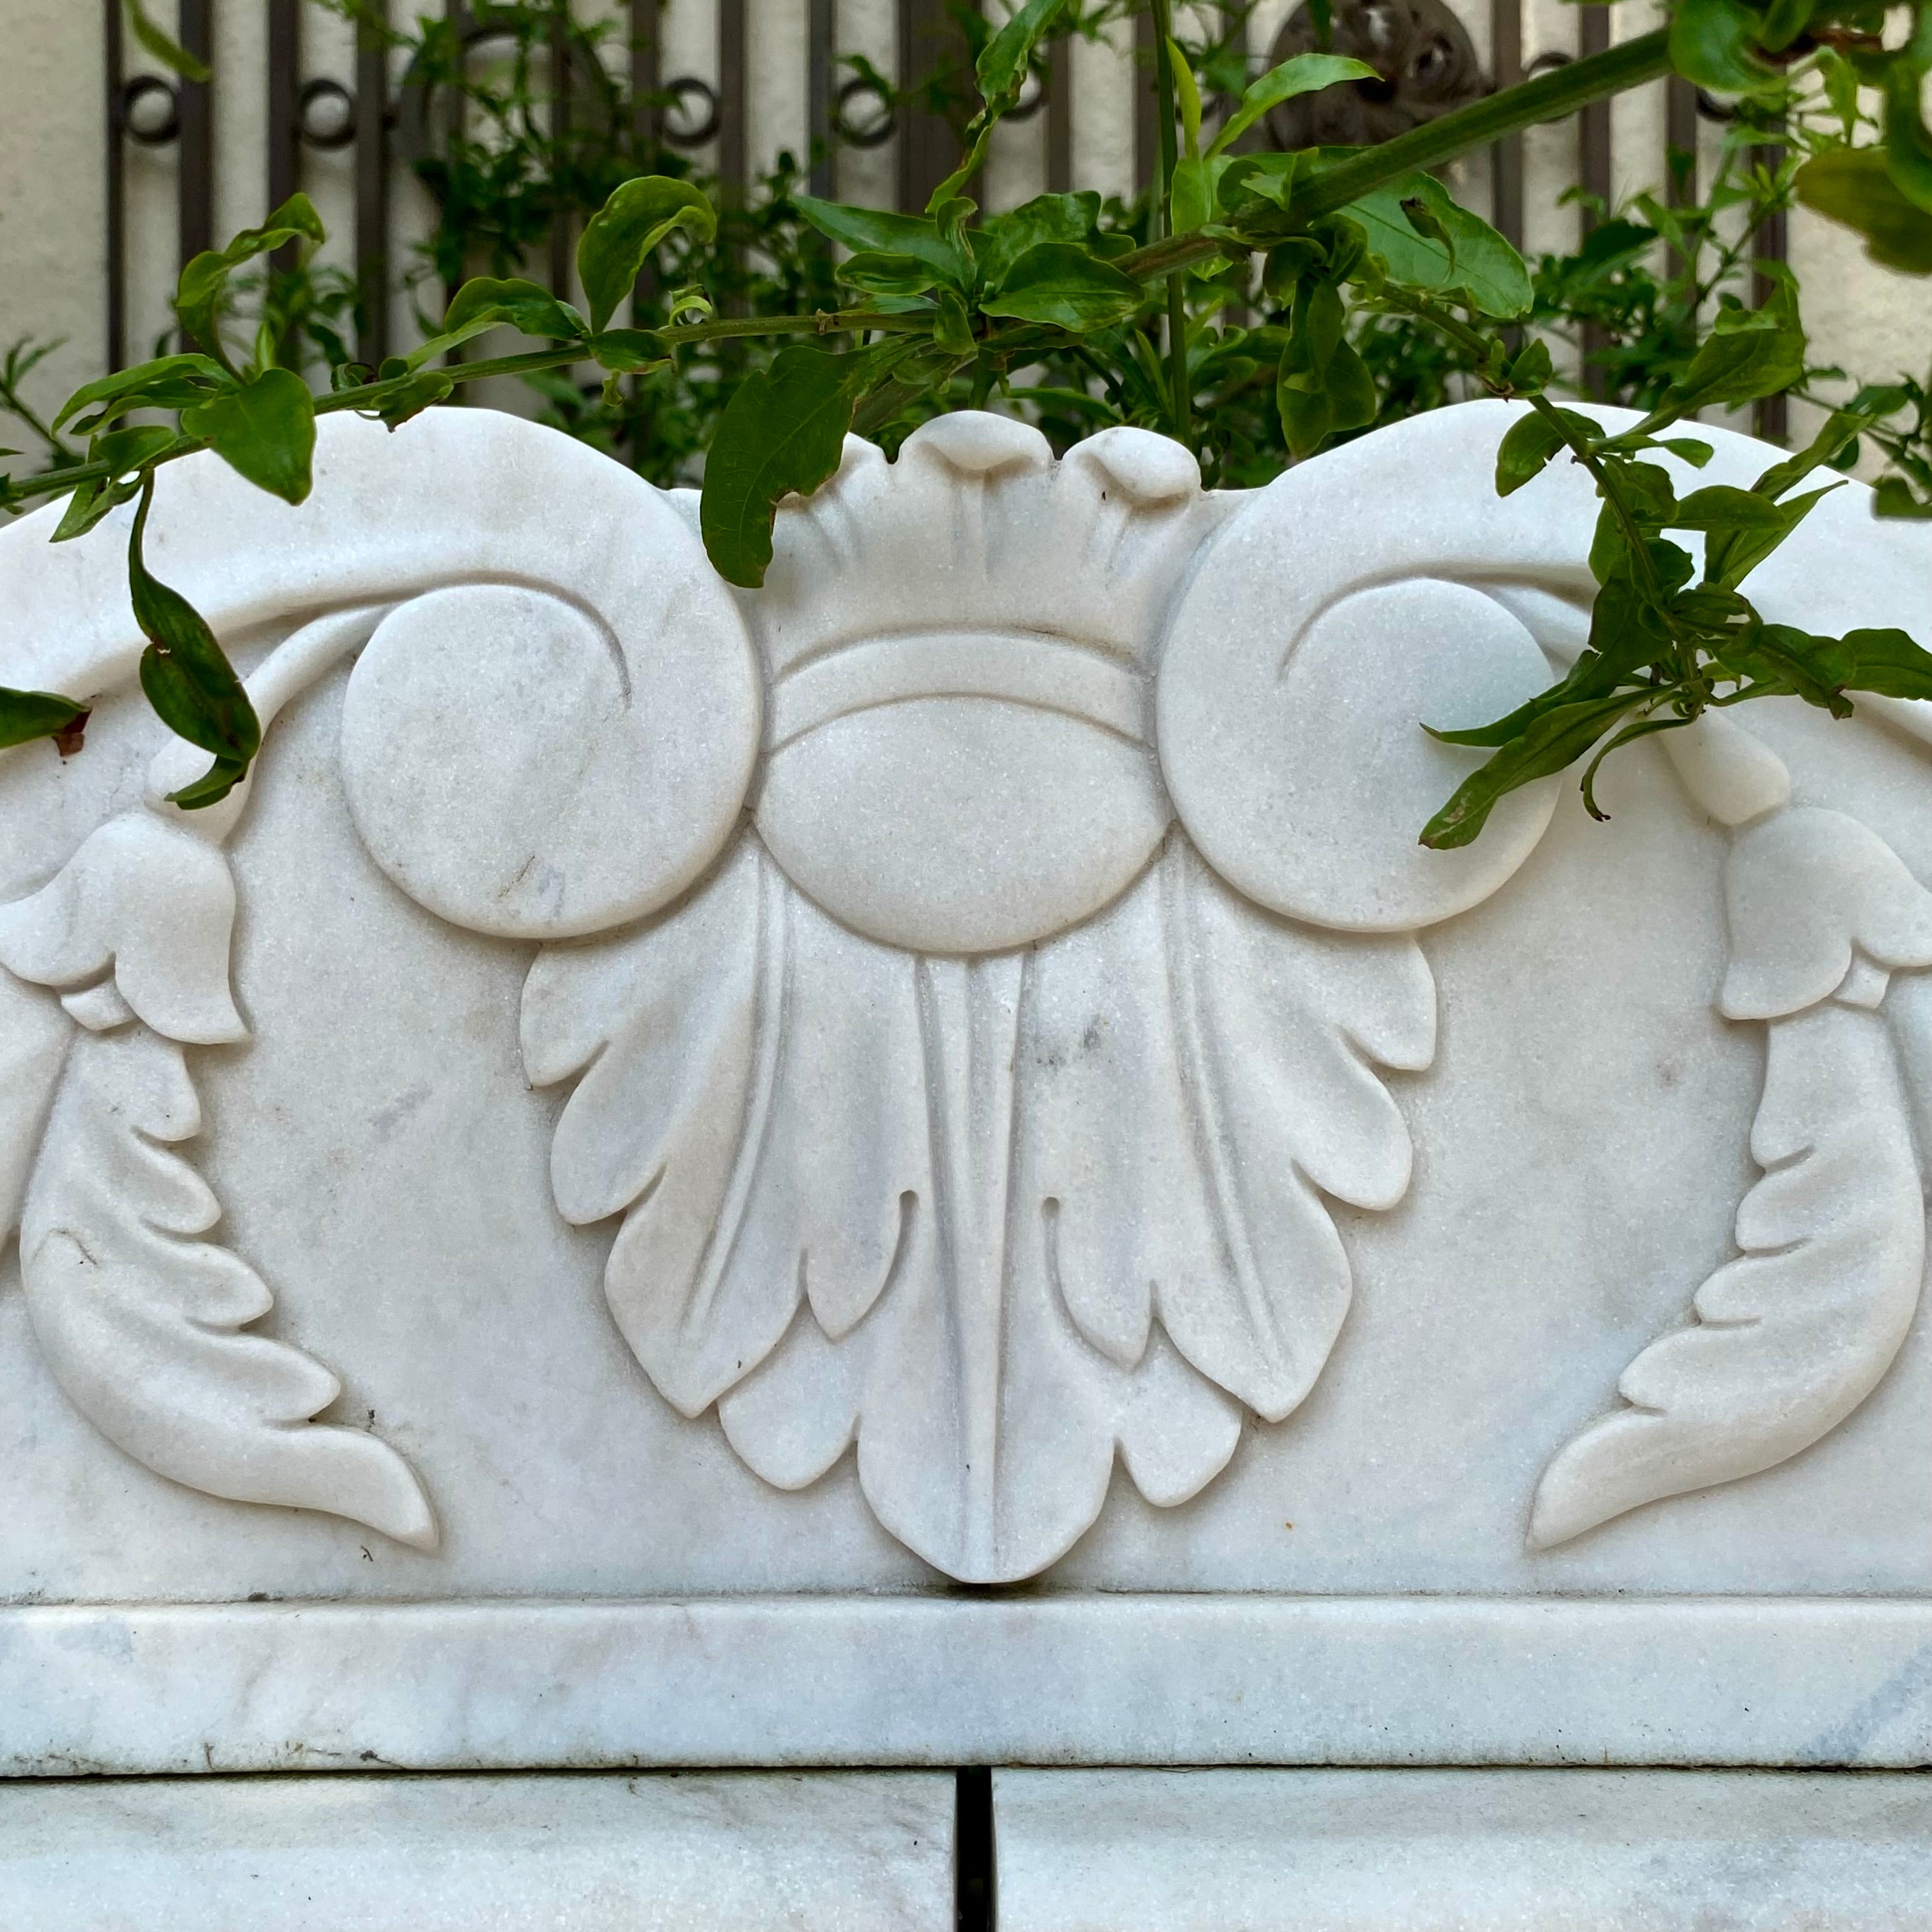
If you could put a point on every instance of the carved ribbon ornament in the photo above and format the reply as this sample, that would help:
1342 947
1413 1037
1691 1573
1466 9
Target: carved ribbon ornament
974 958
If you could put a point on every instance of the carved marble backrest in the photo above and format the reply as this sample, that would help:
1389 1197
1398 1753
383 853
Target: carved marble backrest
980 1007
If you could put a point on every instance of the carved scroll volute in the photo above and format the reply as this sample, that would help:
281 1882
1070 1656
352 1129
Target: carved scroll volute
524 766
1302 664
551 730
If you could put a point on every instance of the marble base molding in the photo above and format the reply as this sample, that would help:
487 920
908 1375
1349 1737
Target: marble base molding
1463 1851
838 1852
1147 1680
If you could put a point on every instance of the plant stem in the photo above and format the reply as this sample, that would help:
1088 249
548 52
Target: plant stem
371 395
1548 98
1161 222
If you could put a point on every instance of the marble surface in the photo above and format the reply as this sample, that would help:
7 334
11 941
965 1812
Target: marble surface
1072 1678
950 1075
1494 1851
663 1853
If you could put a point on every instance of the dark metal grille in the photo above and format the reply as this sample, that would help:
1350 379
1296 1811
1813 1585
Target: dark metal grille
177 114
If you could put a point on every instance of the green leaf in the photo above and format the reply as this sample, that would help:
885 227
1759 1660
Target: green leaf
783 430
395 402
1533 370
1000 242
1841 428
1854 187
1892 497
1783 21
25 715
212 786
124 451
485 303
1592 675
169 382
265 431
1641 728
1323 386
1749 353
198 296
1470 259
1187 98
1718 506
1888 662
1191 201
1525 452
1713 44
953 331
1305 73
170 53
640 216
1255 182
868 228
883 275
185 674
1557 738
1908 147
626 351
1064 286
1787 659
1001 68
88 504
1732 554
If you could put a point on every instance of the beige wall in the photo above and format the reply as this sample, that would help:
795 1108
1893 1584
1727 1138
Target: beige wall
52 224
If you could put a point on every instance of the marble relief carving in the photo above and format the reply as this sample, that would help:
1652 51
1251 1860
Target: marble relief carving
973 965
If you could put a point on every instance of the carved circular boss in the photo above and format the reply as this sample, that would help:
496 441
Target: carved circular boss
978 707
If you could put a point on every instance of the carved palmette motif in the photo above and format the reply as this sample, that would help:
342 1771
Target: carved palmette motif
975 964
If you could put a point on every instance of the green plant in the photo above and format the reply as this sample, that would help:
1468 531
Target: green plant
1083 312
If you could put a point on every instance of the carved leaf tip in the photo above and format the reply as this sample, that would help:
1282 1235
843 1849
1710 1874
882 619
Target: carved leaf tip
1802 891
150 903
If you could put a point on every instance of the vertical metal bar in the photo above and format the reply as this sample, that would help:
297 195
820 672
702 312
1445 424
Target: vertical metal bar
646 133
456 117
560 106
1680 152
116 185
195 150
820 55
933 49
1594 122
1147 103
1772 413
455 124
732 157
1680 137
644 77
1059 114
284 132
372 193
1506 157
1594 130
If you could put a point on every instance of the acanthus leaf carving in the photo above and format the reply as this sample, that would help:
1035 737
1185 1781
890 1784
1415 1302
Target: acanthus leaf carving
1791 1337
144 1325
994 1218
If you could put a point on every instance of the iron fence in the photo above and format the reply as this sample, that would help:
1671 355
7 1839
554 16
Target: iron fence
387 119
